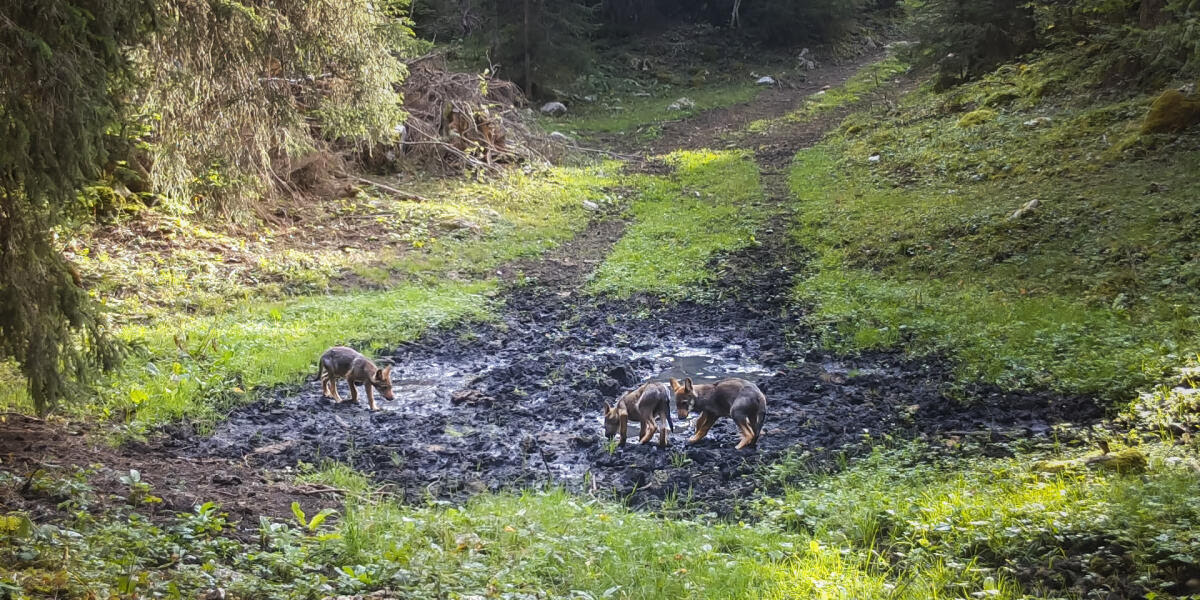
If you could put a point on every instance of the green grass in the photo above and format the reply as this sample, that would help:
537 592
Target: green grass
1092 291
633 113
867 80
711 205
900 523
949 521
158 265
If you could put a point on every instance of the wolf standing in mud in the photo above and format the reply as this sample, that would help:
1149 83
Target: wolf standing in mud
733 397
645 405
340 361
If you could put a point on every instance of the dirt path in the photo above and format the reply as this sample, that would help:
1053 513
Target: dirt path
516 402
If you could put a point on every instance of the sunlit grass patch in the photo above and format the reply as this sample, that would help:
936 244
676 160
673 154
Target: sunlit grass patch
209 337
557 543
633 113
14 394
523 215
900 523
155 265
712 204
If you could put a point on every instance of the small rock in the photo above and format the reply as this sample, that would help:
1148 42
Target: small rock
684 103
459 224
588 204
1038 122
468 541
874 158
554 109
1155 188
623 375
1024 210
765 80
559 136
589 99
226 479
805 62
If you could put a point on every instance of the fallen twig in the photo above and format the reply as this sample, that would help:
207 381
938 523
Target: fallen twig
7 414
388 188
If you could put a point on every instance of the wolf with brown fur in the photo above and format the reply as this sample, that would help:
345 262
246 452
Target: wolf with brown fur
733 397
646 405
340 361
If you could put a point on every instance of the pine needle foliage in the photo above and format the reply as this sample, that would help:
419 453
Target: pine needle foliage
206 99
62 70
234 89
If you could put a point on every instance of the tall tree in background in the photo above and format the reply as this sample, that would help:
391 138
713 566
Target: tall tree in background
966 37
63 73
537 43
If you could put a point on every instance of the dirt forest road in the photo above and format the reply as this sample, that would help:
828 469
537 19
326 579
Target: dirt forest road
516 402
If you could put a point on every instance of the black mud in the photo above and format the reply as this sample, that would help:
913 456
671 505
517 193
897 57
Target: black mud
517 402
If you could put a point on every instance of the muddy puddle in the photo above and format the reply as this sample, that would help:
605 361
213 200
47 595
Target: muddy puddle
517 403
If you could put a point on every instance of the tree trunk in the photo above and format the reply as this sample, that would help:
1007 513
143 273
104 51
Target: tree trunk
1151 13
528 70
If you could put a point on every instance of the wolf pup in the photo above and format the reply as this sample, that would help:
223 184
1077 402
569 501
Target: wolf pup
340 361
736 398
645 405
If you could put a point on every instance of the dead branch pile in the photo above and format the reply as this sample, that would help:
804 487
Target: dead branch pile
465 119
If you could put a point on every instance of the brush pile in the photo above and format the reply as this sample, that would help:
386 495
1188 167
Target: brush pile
467 120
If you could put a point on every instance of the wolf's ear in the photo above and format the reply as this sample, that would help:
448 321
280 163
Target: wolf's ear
607 407
675 384
384 374
687 384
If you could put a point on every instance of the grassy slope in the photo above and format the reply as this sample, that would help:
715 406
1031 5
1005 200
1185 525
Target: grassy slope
1093 291
712 204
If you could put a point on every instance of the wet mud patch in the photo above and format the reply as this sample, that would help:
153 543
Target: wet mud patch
517 402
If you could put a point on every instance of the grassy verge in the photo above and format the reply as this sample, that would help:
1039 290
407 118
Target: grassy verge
868 79
643 114
912 224
900 523
712 204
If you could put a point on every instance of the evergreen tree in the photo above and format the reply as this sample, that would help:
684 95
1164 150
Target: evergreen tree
963 38
63 71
